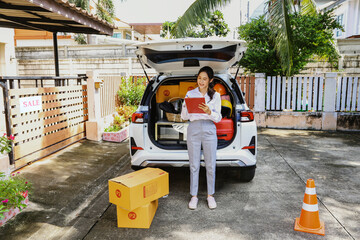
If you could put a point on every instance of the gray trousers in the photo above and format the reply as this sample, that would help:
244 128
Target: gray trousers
202 132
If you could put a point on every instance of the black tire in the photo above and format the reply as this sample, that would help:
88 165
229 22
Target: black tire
246 174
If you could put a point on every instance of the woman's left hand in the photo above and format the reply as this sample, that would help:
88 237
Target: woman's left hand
205 108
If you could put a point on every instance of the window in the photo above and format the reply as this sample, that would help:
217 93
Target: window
117 35
128 36
340 20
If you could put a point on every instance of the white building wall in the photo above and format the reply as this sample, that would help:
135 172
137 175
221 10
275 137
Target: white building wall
351 18
8 65
7 52
43 42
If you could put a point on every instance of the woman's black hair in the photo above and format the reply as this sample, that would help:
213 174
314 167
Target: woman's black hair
208 70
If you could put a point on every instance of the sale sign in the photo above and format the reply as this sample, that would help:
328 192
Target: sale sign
30 104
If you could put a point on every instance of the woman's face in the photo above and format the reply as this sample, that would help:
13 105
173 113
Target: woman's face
203 81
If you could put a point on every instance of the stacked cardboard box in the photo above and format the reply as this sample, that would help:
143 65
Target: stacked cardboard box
136 196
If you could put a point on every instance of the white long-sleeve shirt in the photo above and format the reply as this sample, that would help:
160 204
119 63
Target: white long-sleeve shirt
214 105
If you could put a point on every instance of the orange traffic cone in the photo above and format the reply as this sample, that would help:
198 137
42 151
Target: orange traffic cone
309 220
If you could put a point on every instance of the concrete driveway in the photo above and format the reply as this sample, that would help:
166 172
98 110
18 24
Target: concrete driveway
262 209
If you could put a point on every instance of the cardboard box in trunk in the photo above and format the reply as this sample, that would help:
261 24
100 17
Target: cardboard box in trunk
166 92
138 188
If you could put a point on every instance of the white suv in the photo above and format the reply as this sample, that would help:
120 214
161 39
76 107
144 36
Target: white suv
157 138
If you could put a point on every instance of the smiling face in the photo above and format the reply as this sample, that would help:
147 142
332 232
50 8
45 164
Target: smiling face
203 81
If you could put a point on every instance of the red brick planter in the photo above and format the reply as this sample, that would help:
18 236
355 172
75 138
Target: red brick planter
14 211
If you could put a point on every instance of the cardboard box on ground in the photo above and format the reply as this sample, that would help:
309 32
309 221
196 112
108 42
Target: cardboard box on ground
136 196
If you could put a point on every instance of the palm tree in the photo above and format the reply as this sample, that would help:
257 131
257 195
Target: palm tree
277 14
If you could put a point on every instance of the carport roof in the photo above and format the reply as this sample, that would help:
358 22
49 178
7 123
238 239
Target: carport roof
52 16
147 28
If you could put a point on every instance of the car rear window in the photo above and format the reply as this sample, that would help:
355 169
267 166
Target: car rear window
218 55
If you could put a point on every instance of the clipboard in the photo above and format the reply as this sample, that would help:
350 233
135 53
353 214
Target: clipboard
192 104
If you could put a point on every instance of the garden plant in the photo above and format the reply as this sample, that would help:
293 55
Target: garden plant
129 96
13 191
6 143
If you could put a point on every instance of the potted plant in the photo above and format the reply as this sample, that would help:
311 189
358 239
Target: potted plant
119 131
14 195
129 97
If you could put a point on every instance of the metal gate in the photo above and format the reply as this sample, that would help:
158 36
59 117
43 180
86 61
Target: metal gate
44 114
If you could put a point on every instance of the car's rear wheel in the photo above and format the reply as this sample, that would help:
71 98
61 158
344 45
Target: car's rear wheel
246 174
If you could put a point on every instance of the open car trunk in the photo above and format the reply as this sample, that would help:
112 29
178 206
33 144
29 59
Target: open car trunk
187 56
168 131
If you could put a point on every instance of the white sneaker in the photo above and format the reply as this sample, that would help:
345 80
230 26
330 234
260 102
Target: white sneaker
193 203
211 202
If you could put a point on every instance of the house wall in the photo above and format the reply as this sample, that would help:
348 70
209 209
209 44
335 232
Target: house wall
351 17
7 64
24 38
107 59
114 59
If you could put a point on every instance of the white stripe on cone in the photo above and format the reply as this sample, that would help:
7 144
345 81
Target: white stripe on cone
310 207
310 191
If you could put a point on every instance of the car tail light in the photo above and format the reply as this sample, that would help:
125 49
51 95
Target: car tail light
137 117
246 116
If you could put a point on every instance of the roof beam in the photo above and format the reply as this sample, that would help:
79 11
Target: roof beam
40 26
22 25
4 5
39 18
7 24
72 14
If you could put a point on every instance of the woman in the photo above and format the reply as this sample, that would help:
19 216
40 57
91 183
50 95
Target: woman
202 131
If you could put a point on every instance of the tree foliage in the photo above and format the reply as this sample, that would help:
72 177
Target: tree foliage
105 10
212 25
278 12
84 4
311 36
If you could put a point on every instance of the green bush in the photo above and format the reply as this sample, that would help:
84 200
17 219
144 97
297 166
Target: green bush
131 92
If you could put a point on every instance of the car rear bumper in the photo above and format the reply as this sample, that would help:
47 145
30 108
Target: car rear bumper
162 163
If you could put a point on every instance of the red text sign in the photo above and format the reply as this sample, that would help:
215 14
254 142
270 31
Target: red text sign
30 104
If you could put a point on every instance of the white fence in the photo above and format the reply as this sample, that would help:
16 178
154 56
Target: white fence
348 94
310 93
294 93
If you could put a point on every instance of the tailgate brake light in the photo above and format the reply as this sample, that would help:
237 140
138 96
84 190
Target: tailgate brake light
246 116
137 117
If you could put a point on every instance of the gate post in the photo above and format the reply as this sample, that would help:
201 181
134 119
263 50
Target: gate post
6 159
329 116
259 103
94 125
